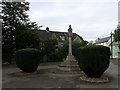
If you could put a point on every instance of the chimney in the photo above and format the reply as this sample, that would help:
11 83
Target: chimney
98 39
47 29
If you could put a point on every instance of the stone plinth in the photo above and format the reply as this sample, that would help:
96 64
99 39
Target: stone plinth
70 64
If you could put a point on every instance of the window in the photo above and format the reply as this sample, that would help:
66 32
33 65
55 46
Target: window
62 38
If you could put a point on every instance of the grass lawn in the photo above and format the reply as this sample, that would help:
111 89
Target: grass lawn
117 62
9 66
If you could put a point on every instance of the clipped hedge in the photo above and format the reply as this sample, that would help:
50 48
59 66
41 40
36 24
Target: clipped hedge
93 60
28 59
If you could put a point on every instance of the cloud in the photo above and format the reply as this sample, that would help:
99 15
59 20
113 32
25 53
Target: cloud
88 19
73 0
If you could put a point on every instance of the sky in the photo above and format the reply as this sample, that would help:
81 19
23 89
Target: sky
119 13
89 18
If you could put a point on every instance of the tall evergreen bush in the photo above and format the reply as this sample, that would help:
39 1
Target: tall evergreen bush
28 59
93 60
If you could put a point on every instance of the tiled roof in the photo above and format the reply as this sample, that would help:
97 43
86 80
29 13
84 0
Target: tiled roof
115 43
47 34
102 40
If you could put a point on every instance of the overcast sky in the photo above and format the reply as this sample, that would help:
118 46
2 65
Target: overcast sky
89 18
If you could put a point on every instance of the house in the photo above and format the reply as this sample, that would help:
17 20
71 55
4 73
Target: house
109 42
115 49
61 36
102 41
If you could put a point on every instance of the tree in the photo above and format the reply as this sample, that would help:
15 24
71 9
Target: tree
15 21
28 39
117 35
49 46
62 51
14 15
16 25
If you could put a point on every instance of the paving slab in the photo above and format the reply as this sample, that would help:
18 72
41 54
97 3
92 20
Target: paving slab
43 78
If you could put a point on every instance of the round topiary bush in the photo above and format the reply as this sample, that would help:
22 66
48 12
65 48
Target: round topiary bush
28 59
93 60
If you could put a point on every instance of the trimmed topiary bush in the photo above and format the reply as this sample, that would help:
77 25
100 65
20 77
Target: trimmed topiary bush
28 59
93 60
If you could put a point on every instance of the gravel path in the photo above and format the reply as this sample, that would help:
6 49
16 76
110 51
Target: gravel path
52 80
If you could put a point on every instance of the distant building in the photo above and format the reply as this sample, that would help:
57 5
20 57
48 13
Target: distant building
102 41
61 36
111 44
90 42
115 49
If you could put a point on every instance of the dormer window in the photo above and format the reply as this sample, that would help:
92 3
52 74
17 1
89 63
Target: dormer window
62 38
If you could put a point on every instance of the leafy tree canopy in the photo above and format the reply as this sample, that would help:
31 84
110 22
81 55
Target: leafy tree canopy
117 35
15 21
17 29
63 50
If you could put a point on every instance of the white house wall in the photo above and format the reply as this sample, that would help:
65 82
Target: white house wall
115 51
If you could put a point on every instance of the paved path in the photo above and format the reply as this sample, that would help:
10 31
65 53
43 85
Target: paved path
52 80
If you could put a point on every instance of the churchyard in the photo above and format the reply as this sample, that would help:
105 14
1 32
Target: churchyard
48 76
70 73
36 58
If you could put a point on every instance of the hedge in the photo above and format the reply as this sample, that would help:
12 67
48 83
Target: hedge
93 60
28 59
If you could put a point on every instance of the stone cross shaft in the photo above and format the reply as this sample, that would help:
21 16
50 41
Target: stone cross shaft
70 64
70 43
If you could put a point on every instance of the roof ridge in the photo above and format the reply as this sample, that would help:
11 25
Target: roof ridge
55 31
105 37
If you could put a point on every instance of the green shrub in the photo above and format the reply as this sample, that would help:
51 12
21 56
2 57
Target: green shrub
7 54
93 60
62 51
28 59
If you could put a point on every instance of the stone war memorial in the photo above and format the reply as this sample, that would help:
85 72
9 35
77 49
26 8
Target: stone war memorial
70 64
